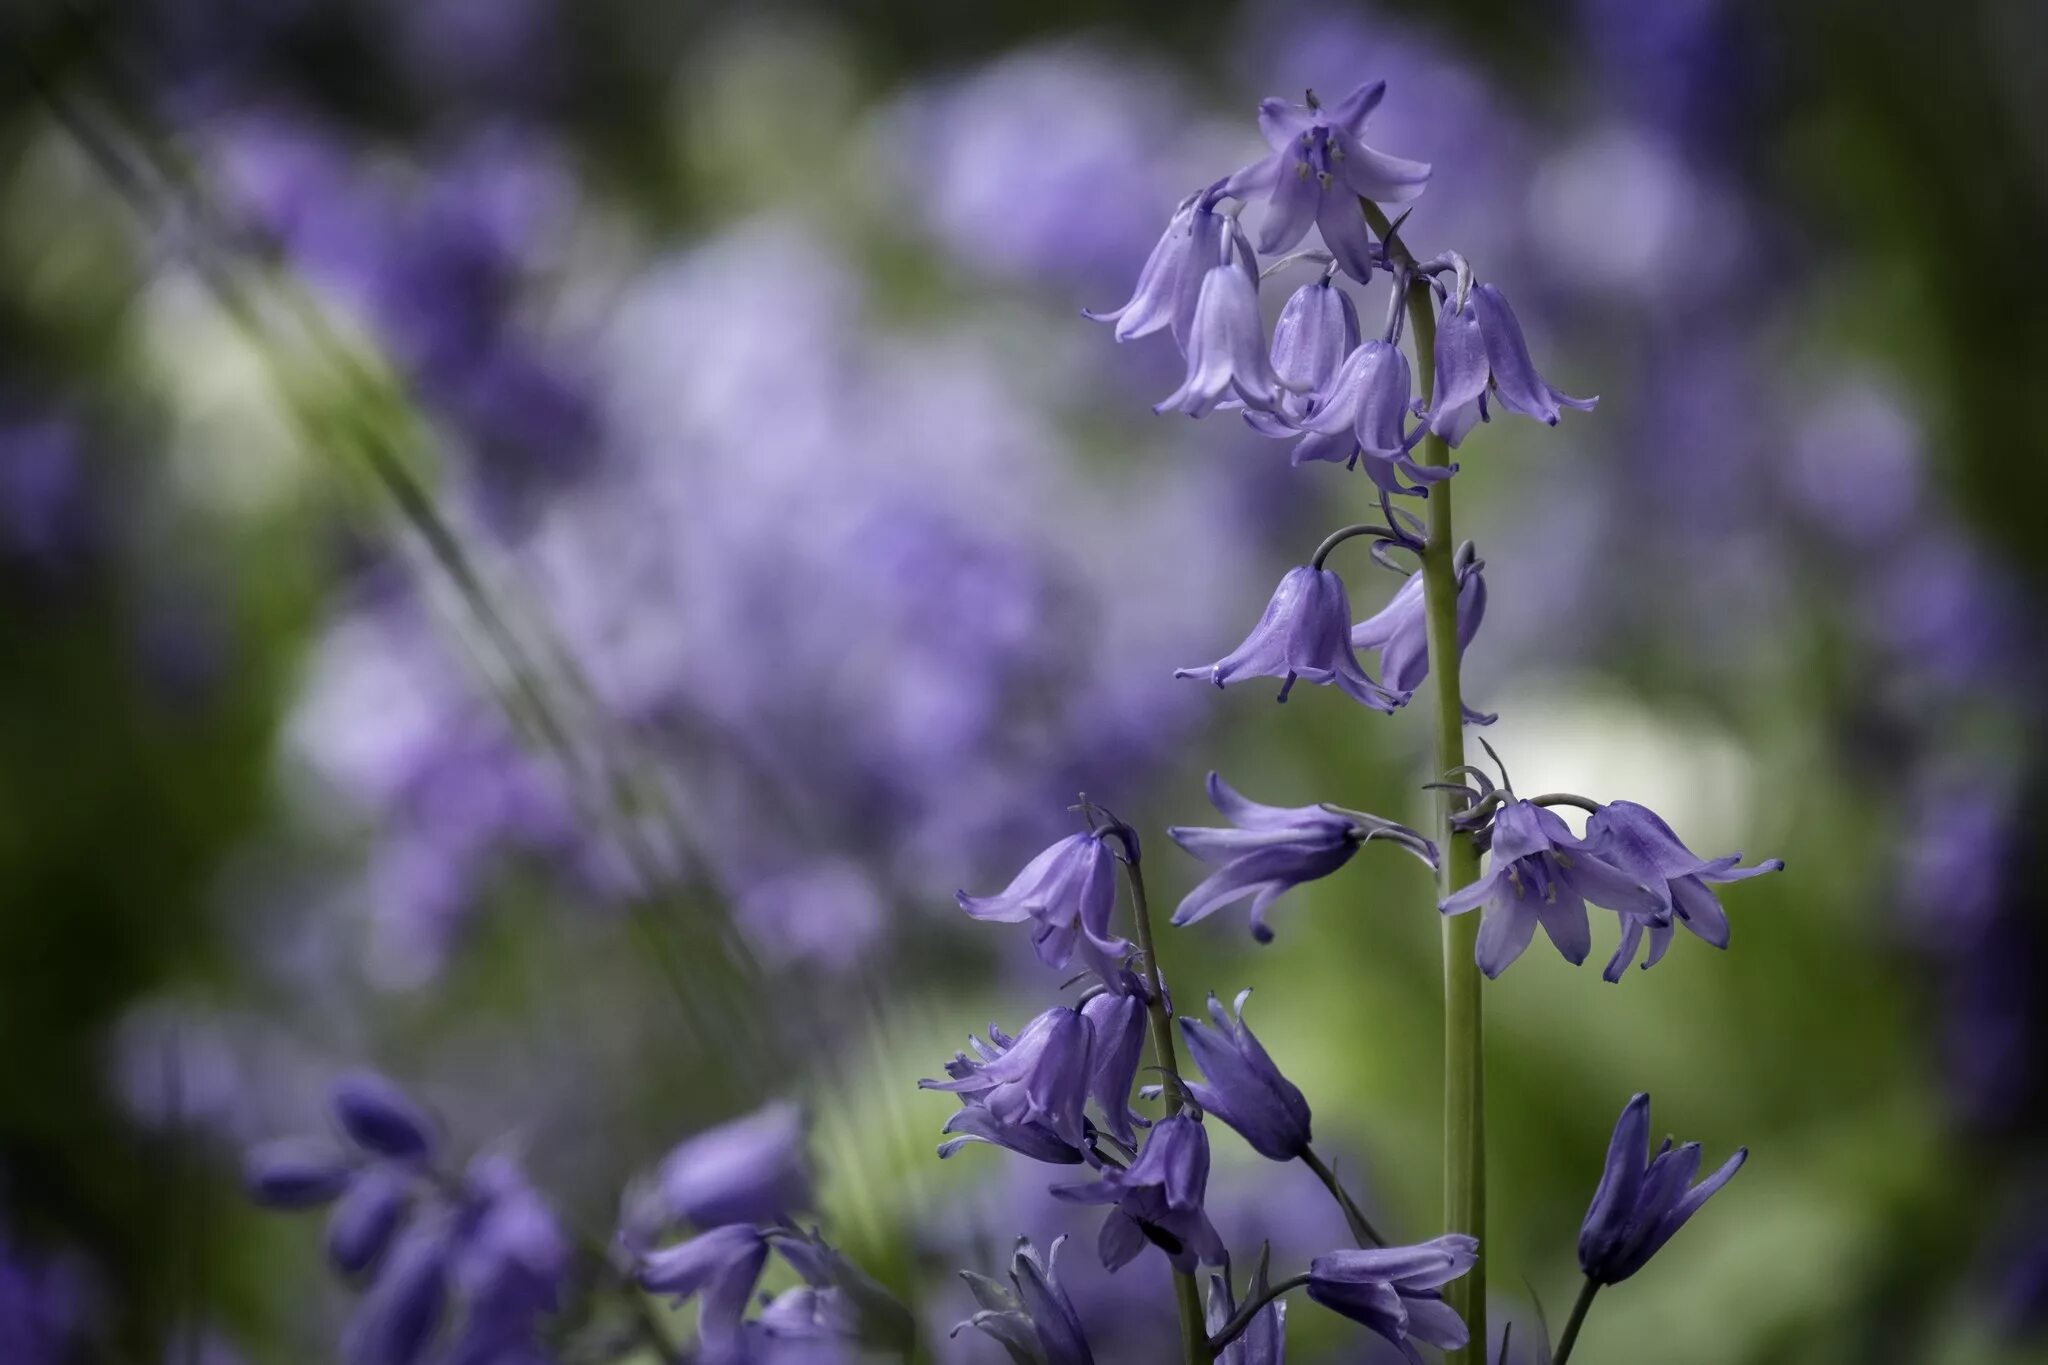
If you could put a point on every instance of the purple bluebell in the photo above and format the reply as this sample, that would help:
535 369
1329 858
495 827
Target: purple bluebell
1264 1339
1273 849
366 1218
1068 893
1170 284
1540 872
1642 1199
1241 1085
1400 631
1158 1199
1316 332
1635 839
1027 1093
1227 355
1305 633
1036 1323
1398 1291
722 1266
1360 415
397 1321
513 1256
381 1118
1481 344
750 1170
1319 169
295 1173
1117 1019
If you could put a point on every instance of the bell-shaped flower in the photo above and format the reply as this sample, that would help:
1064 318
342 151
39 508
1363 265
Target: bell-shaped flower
1226 348
1241 1085
1158 1199
1317 330
1319 168
1305 633
1036 1323
750 1170
1361 415
1398 1291
1032 1088
365 1219
1117 1018
1635 839
1480 346
1170 285
723 1266
1264 1339
1643 1199
396 1322
1400 632
1540 873
381 1118
295 1173
1067 893
1274 849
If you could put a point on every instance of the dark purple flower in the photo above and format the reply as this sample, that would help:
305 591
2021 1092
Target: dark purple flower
1226 347
397 1321
1117 1019
294 1173
1068 892
750 1170
1397 1291
366 1218
1319 169
1264 1339
1170 285
1241 1085
723 1265
381 1118
1636 840
1272 850
1158 1199
1033 1088
514 1255
1642 1199
1400 631
1036 1324
1305 633
1482 343
1541 872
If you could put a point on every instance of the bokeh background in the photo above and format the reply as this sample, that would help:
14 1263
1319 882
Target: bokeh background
542 541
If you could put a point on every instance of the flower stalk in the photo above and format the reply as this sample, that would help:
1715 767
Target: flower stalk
1572 1324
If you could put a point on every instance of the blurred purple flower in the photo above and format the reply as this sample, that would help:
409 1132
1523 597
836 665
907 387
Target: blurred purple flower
1117 1021
1642 1199
381 1118
1036 1083
1480 352
751 1170
1068 893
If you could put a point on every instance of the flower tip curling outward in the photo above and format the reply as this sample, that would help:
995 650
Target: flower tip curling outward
1398 1291
1643 1199
1226 349
1636 839
1036 1322
1304 634
1068 894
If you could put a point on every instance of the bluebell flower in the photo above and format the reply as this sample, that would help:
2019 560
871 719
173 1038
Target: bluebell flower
1159 1199
398 1319
719 1268
1068 893
1361 415
1241 1085
1170 284
381 1118
1398 1291
295 1173
1400 631
1028 1093
1305 633
1481 344
1319 169
365 1219
1540 872
1117 1020
1636 840
1227 354
1642 1199
1264 1339
1274 849
1316 332
750 1170
1036 1323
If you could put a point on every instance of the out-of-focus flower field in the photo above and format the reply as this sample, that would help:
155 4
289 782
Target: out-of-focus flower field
542 542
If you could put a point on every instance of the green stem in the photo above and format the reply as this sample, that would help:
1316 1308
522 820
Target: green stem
1194 1331
1362 1230
1458 856
1572 1324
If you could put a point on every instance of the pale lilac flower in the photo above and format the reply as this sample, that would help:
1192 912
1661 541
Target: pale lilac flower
1642 1200
1481 344
1032 1088
1319 169
1226 347
1541 873
1273 849
1241 1085
722 1265
1398 1291
1068 893
1170 284
1157 1200
1636 840
1399 631
750 1170
1037 1322
398 1319
1304 633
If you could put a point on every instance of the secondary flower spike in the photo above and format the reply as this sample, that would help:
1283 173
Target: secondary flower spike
1319 168
1635 839
1642 1199
1158 1199
1398 1291
1274 849
1482 343
1541 873
1117 1017
1031 1090
1400 630
1241 1085
1068 893
1036 1324
1304 634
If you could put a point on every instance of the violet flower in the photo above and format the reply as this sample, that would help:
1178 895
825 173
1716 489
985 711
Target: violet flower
1226 347
1482 343
1400 631
1241 1085
1319 169
397 1320
1026 1093
722 1265
1642 1199
1304 633
1157 1200
1397 1291
1274 849
1541 873
1036 1324
1264 1339
380 1118
1118 1022
1068 893
295 1173
1170 284
749 1170
1636 840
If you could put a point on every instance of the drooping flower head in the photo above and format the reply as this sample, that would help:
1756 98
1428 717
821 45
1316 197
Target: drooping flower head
720 1269
1159 1199
1541 873
750 1170
1068 893
1479 345
1400 630
1643 1199
1226 347
1319 168
1304 634
1170 285
1398 1291
1362 414
1273 849
1027 1093
1036 1323
1635 839
1241 1085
